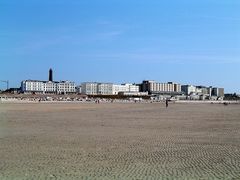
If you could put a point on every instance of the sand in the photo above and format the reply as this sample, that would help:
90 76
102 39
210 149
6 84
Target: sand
119 141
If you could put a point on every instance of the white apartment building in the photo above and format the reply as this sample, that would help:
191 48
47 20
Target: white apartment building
49 87
95 88
125 88
64 87
132 88
35 86
29 86
105 88
118 88
90 88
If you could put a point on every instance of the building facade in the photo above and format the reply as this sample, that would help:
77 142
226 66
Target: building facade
188 89
153 87
118 88
48 87
89 88
125 88
79 89
219 92
132 88
105 88
32 86
202 92
95 88
66 87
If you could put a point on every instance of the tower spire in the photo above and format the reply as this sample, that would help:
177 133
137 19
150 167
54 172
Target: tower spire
50 75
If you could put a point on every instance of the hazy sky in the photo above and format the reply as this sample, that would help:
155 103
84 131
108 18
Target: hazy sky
186 41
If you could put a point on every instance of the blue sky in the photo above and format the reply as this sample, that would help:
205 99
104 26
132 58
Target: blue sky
190 42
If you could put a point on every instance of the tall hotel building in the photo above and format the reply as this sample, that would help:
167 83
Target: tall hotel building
153 87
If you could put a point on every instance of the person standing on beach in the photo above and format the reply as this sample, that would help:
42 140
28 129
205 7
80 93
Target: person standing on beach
166 103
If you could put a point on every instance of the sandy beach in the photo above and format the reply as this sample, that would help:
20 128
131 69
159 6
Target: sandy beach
119 141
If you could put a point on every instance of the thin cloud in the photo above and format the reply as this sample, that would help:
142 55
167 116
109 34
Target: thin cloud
109 35
221 18
164 58
103 22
